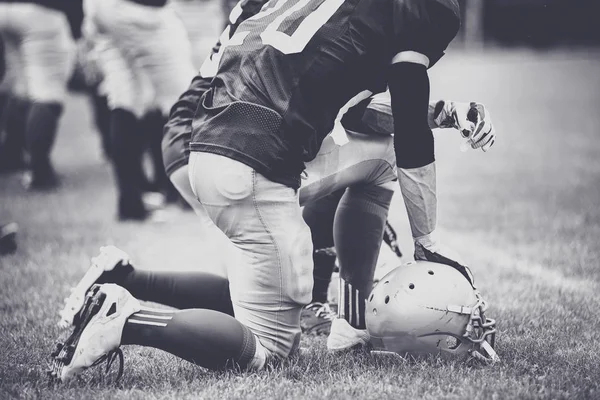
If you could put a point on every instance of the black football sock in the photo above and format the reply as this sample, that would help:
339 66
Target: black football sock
204 337
126 151
358 232
16 128
102 120
42 124
323 269
319 216
13 114
152 127
179 289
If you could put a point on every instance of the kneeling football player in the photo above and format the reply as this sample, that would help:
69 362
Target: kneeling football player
249 188
205 298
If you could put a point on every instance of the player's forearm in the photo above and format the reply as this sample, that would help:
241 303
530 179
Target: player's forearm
418 186
413 145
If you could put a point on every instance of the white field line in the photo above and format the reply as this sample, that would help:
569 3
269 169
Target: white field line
499 259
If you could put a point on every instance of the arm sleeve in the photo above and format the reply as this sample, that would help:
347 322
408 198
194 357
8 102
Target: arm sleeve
413 139
413 145
425 26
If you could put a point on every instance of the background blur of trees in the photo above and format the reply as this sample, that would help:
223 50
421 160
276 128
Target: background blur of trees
538 23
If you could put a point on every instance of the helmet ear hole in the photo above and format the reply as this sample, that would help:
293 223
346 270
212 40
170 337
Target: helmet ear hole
386 282
452 343
430 272
387 299
411 286
371 297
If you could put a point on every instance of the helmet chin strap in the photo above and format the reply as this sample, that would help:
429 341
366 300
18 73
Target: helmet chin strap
492 356
476 312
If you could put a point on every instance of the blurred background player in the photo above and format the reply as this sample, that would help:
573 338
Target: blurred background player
145 59
39 55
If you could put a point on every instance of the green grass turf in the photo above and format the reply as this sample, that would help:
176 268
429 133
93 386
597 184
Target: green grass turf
525 215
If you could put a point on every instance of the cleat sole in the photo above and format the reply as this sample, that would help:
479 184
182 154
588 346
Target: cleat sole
64 353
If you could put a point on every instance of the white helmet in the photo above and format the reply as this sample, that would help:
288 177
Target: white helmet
429 308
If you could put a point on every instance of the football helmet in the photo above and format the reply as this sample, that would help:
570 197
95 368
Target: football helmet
425 308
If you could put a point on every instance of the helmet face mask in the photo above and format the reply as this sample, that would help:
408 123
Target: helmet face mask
425 308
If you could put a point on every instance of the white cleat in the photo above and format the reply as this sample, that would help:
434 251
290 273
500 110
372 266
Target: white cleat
109 258
97 333
343 336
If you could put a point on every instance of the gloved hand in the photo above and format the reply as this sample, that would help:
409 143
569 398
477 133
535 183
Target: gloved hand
472 120
427 248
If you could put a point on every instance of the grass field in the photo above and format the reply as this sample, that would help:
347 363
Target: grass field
525 215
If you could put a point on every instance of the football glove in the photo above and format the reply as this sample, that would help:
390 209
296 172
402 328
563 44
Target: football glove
472 120
427 248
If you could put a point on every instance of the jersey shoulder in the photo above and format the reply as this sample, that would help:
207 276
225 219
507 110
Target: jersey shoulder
425 26
424 8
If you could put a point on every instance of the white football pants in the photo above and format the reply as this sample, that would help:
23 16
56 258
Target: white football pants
40 51
143 52
269 265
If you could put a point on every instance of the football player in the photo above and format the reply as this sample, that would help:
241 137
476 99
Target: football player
39 53
145 57
360 208
267 296
195 333
284 78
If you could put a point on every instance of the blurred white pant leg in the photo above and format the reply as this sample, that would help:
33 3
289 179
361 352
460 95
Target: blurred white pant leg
153 41
14 79
124 88
45 45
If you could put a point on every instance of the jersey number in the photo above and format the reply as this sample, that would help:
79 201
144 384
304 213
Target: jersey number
297 41
287 44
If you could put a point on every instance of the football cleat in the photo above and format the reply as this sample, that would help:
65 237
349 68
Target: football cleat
343 336
110 257
97 333
8 238
316 319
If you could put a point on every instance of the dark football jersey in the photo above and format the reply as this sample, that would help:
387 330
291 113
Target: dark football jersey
288 70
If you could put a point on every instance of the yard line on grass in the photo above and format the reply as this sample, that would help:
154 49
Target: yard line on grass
503 260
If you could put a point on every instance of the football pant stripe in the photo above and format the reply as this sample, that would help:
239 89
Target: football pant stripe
163 317
135 321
